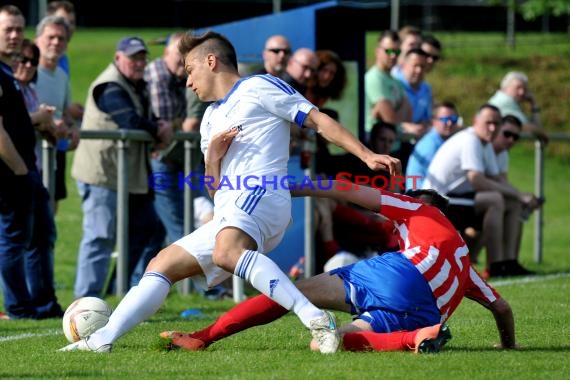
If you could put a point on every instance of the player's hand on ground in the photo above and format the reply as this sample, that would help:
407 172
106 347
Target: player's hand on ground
220 143
385 162
500 346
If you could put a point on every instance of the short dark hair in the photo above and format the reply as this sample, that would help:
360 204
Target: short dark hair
417 51
29 44
511 119
213 42
432 41
390 34
12 10
489 106
53 6
445 104
437 200
377 127
338 83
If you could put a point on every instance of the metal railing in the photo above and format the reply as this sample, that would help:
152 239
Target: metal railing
191 143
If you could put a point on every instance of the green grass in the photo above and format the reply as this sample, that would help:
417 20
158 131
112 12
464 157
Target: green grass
279 350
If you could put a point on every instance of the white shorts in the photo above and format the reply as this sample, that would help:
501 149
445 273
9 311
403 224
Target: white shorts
262 214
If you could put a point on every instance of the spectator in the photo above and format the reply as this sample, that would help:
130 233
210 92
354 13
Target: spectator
27 228
433 49
166 80
418 92
419 96
507 137
385 96
509 99
25 71
411 38
330 79
301 69
276 53
53 88
382 137
444 124
117 99
465 169
66 9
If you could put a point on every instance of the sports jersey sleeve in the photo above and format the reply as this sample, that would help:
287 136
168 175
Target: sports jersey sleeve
398 207
205 131
478 290
281 99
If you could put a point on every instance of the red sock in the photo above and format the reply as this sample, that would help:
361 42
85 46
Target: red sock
254 311
371 341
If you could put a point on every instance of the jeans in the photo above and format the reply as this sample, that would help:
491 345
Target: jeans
169 202
146 236
27 236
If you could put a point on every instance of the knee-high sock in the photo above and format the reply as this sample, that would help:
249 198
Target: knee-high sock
255 311
140 303
371 341
269 279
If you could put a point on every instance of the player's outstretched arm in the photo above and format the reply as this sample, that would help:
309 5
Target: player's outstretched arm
332 131
346 191
505 322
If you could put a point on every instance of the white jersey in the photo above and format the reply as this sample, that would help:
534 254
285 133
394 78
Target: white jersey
462 152
263 107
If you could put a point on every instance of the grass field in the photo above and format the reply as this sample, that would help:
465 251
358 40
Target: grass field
279 350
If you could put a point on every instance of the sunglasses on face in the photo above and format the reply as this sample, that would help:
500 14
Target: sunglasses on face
434 58
25 60
453 119
511 135
395 52
279 50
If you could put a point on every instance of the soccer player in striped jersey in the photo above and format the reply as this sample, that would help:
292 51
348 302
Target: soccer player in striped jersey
399 300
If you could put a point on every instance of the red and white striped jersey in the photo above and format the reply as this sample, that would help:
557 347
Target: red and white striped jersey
437 250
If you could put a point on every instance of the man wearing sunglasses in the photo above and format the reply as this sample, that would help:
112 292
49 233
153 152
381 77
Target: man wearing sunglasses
444 124
465 169
276 53
384 95
508 135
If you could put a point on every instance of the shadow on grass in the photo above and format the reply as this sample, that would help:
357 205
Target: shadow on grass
543 349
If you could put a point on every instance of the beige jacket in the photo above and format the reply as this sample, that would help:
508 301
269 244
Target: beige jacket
95 161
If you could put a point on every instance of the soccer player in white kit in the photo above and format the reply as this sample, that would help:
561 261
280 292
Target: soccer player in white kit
252 203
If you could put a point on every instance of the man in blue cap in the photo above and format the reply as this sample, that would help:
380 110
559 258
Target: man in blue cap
117 99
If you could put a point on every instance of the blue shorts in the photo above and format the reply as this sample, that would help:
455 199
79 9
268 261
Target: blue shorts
389 293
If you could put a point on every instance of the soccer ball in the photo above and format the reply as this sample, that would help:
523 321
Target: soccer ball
85 316
341 259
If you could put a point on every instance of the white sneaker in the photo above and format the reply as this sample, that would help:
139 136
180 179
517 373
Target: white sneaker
82 345
324 331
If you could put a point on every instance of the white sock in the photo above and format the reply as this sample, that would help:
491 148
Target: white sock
140 303
261 272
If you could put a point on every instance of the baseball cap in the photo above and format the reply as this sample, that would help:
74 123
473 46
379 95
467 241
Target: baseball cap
131 45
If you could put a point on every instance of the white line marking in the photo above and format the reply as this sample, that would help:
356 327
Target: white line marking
522 280
527 279
30 335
